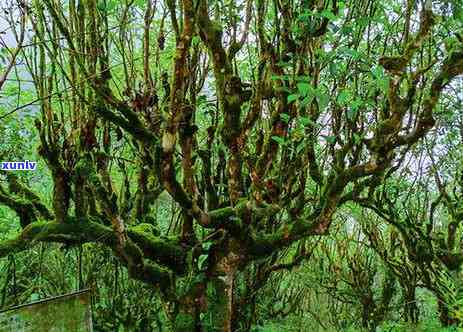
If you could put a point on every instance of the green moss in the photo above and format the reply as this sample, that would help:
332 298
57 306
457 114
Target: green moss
163 251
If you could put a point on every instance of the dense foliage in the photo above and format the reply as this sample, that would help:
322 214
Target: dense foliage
215 165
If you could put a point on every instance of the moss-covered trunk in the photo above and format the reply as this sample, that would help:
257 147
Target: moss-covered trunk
209 304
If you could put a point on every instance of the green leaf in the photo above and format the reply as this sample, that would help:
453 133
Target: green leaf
356 103
333 69
351 113
304 120
101 6
378 72
207 245
350 52
279 140
343 97
328 14
330 139
106 6
322 98
201 261
111 5
284 117
307 100
293 97
195 40
381 79
363 21
384 84
304 88
346 29
457 12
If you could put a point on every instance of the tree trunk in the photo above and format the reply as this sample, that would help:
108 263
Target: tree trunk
411 310
209 305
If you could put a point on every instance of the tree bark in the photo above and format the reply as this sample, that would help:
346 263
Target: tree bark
209 305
